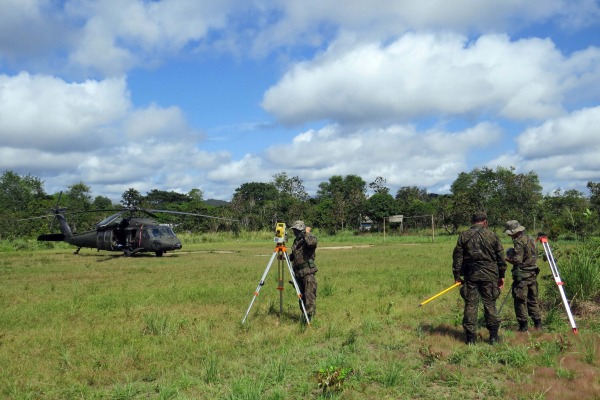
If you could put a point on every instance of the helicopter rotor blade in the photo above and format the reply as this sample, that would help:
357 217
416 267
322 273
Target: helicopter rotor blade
39 217
145 211
195 214
62 211
111 218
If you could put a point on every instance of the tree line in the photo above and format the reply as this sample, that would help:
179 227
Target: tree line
341 203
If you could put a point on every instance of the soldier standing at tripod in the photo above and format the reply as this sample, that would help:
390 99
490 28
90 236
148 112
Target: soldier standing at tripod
523 257
303 264
479 257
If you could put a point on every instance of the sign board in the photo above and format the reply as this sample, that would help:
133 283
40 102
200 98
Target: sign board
396 218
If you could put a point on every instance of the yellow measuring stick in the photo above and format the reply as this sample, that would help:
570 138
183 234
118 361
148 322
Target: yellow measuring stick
439 294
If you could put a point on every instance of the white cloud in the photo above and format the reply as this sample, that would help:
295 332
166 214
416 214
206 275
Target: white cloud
248 169
574 134
90 132
314 22
38 162
156 122
113 36
51 114
431 74
27 29
563 152
399 153
121 34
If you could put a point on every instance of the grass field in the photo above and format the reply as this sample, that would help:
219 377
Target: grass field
100 326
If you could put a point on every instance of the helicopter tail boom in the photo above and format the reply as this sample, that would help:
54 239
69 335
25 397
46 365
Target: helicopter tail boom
52 237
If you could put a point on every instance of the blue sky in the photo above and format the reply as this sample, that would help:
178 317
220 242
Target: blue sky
185 94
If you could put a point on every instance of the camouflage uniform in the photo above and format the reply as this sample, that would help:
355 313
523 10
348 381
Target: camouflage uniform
479 258
525 286
303 263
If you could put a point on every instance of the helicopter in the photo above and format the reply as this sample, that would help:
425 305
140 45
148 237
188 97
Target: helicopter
124 231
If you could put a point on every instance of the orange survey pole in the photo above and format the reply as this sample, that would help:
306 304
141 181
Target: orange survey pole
440 293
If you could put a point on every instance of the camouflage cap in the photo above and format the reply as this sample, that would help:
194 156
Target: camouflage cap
513 227
299 225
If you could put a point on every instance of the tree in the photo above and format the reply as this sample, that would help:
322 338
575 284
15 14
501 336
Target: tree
378 186
518 196
566 213
380 206
410 200
162 198
347 199
594 188
20 193
131 198
78 198
21 197
292 203
102 203
293 187
254 202
503 194
196 195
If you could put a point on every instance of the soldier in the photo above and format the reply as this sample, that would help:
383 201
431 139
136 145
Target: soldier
303 263
523 257
479 258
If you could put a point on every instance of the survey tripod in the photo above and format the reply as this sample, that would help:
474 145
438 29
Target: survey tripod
283 260
554 268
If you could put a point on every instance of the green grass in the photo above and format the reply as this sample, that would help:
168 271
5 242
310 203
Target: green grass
99 326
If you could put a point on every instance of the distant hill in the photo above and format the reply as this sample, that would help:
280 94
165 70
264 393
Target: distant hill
216 203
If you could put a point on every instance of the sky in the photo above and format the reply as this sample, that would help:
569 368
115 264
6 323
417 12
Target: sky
178 95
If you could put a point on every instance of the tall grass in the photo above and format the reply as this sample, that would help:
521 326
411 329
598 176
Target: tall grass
580 270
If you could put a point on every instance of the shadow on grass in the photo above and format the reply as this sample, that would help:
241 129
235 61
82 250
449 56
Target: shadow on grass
101 257
444 330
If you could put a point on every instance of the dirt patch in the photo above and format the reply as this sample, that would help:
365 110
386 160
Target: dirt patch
587 309
345 247
200 251
572 379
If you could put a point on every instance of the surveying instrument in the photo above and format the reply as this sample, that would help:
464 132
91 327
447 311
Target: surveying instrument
282 260
554 268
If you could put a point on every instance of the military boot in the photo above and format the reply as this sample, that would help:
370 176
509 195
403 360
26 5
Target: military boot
470 339
537 324
494 338
522 326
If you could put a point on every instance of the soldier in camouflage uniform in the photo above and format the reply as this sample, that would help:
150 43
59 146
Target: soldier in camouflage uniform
523 257
303 263
479 257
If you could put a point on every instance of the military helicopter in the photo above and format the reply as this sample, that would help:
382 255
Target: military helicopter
124 231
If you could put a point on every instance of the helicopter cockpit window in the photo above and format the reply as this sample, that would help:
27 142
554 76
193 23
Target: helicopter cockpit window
161 231
167 231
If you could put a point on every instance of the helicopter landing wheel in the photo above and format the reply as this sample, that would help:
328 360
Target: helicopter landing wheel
159 253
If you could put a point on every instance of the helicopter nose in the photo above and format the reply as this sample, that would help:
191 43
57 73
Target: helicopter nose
175 245
167 245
